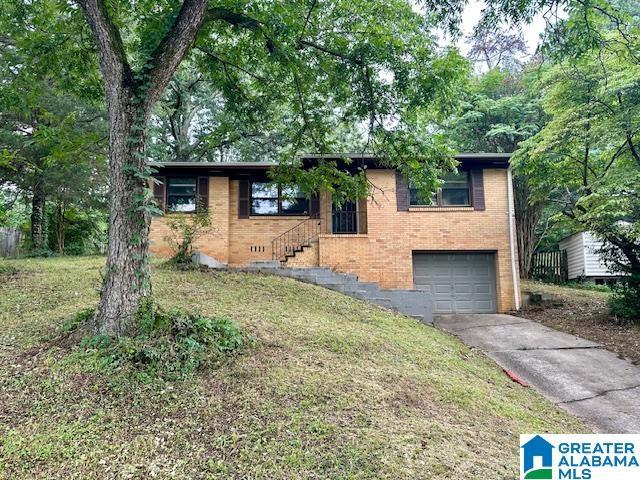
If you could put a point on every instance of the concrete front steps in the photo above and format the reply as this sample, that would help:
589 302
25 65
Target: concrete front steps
415 303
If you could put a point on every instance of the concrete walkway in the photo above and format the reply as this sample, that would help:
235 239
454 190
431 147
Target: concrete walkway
576 374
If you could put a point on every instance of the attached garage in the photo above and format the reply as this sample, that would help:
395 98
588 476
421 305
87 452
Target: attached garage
458 282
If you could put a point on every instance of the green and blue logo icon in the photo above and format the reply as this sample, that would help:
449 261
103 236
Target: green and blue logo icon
580 457
537 459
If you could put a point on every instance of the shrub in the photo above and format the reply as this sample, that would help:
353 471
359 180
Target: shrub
587 285
75 230
41 253
186 229
168 345
624 303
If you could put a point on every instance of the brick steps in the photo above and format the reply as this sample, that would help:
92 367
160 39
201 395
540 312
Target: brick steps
414 303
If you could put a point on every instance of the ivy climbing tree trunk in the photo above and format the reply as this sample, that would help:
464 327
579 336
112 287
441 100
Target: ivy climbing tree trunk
127 279
130 97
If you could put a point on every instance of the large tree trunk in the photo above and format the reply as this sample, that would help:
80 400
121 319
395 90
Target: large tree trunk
126 280
38 202
130 97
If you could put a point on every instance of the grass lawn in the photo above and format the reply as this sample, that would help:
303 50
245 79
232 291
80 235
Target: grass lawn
331 388
585 313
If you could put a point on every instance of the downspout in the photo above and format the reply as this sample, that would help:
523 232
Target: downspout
512 245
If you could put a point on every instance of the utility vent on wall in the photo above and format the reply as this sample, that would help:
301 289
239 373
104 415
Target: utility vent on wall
257 248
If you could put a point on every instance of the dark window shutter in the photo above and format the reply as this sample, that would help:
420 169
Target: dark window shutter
160 192
362 216
243 199
203 194
314 206
402 192
477 189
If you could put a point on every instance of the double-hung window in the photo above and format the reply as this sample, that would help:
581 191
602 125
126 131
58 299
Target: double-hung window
269 199
181 194
264 199
455 191
293 202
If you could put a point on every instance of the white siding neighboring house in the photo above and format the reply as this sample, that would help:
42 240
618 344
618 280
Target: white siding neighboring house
583 259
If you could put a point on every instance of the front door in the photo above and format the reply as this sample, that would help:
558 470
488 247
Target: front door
345 218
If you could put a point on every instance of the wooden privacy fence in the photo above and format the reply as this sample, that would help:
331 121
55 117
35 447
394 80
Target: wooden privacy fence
10 241
550 266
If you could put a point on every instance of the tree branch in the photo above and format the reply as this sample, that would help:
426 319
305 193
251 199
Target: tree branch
174 114
619 151
307 19
113 57
233 18
335 53
217 58
303 111
632 148
169 53
241 20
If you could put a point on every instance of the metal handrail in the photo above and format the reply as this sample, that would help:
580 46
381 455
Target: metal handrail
294 239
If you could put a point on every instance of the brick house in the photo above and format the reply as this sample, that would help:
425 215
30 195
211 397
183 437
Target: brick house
458 245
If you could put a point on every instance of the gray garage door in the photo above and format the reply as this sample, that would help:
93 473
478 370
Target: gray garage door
458 282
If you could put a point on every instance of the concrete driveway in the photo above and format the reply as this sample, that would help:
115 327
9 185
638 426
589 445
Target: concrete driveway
576 374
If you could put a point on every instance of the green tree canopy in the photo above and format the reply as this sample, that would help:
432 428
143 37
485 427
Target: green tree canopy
370 63
587 158
498 112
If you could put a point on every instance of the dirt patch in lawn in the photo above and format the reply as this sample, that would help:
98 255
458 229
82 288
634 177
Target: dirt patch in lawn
584 313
